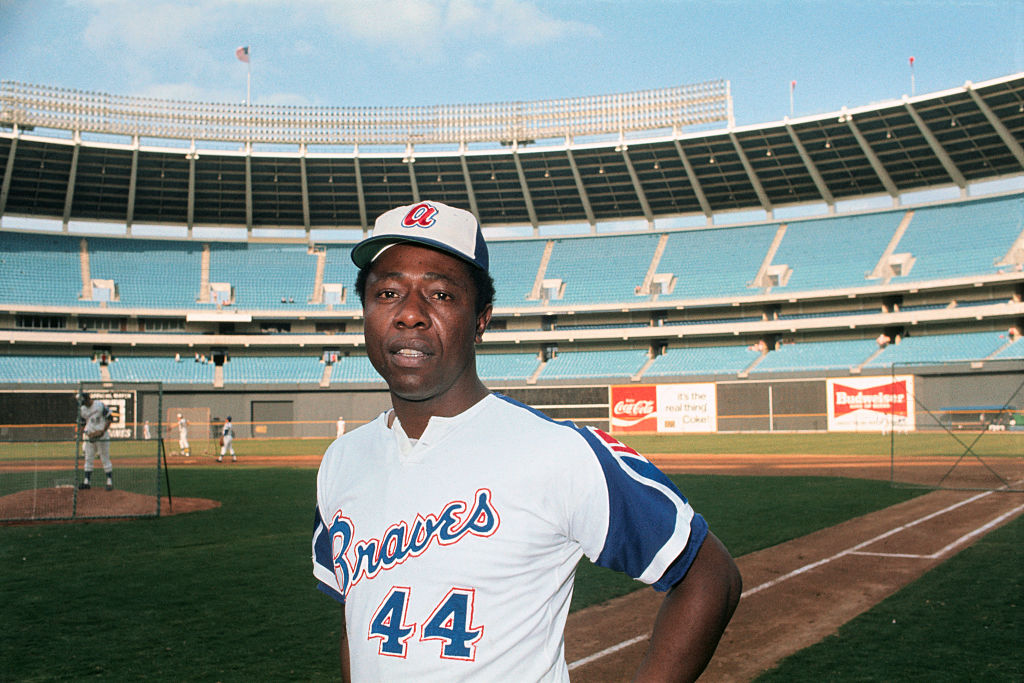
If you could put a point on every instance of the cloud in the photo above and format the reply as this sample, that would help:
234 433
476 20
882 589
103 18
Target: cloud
118 25
433 28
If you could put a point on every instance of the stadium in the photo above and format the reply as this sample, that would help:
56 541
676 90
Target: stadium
659 271
227 276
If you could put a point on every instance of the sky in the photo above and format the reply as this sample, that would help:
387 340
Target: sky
422 52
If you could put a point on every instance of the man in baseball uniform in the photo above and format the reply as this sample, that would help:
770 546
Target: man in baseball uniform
450 526
94 418
183 436
227 438
340 427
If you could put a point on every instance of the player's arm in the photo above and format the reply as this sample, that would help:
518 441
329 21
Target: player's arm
108 419
346 673
693 616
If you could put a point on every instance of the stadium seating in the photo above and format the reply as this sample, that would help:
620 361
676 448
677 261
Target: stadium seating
715 263
705 360
506 366
161 369
354 369
148 273
836 252
941 348
265 276
39 269
26 369
961 239
830 355
582 364
339 270
514 266
601 269
951 240
1014 350
273 370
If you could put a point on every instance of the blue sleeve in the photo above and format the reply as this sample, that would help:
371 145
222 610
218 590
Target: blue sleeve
323 560
653 533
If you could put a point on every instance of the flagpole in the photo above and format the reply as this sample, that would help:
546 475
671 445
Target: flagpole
792 87
912 77
248 82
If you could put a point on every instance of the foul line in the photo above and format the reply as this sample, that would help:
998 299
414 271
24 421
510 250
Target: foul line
960 541
854 550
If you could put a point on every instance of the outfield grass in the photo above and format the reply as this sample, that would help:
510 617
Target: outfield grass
228 595
1000 444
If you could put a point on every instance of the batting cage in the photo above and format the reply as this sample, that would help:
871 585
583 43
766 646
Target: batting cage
960 426
93 453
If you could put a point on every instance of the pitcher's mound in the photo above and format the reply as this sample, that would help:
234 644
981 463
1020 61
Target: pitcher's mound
58 504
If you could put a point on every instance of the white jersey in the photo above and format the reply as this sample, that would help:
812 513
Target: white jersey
227 431
455 555
95 416
182 428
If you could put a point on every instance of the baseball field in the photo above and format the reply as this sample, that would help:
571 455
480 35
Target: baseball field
846 576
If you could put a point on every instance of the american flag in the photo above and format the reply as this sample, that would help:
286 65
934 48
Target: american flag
242 53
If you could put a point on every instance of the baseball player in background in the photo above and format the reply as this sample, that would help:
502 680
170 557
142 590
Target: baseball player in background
227 438
183 447
341 427
94 418
451 525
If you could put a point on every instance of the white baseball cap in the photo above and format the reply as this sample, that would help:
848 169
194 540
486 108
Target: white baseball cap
433 224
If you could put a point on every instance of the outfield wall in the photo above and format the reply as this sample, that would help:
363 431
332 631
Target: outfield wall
763 405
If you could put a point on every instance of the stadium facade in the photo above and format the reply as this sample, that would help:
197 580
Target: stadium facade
206 246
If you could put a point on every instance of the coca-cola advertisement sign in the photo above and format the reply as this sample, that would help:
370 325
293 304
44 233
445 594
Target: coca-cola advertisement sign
634 408
664 408
871 404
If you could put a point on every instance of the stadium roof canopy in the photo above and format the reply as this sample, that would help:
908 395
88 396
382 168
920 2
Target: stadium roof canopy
60 166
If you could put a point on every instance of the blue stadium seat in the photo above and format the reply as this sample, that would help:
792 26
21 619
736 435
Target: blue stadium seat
581 364
940 348
705 360
506 366
829 355
273 370
161 369
26 369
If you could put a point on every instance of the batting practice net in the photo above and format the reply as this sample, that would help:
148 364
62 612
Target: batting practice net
958 428
43 449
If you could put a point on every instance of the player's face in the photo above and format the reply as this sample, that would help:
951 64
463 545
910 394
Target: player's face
421 328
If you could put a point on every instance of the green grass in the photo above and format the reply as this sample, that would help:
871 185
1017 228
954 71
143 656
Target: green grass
832 443
825 443
959 622
228 594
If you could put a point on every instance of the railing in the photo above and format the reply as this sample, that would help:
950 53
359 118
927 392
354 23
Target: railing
29 106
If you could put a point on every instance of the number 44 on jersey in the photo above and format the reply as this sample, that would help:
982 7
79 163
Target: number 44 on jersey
451 622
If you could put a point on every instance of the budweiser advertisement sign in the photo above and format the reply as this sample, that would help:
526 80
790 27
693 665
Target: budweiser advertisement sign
871 404
664 408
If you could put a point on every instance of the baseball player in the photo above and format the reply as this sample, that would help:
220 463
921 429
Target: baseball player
94 418
183 447
341 427
451 525
145 430
227 438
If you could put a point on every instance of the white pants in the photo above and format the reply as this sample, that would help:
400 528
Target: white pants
227 447
91 448
183 441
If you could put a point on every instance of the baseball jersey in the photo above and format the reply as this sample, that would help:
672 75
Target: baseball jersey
95 416
227 431
182 427
455 554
